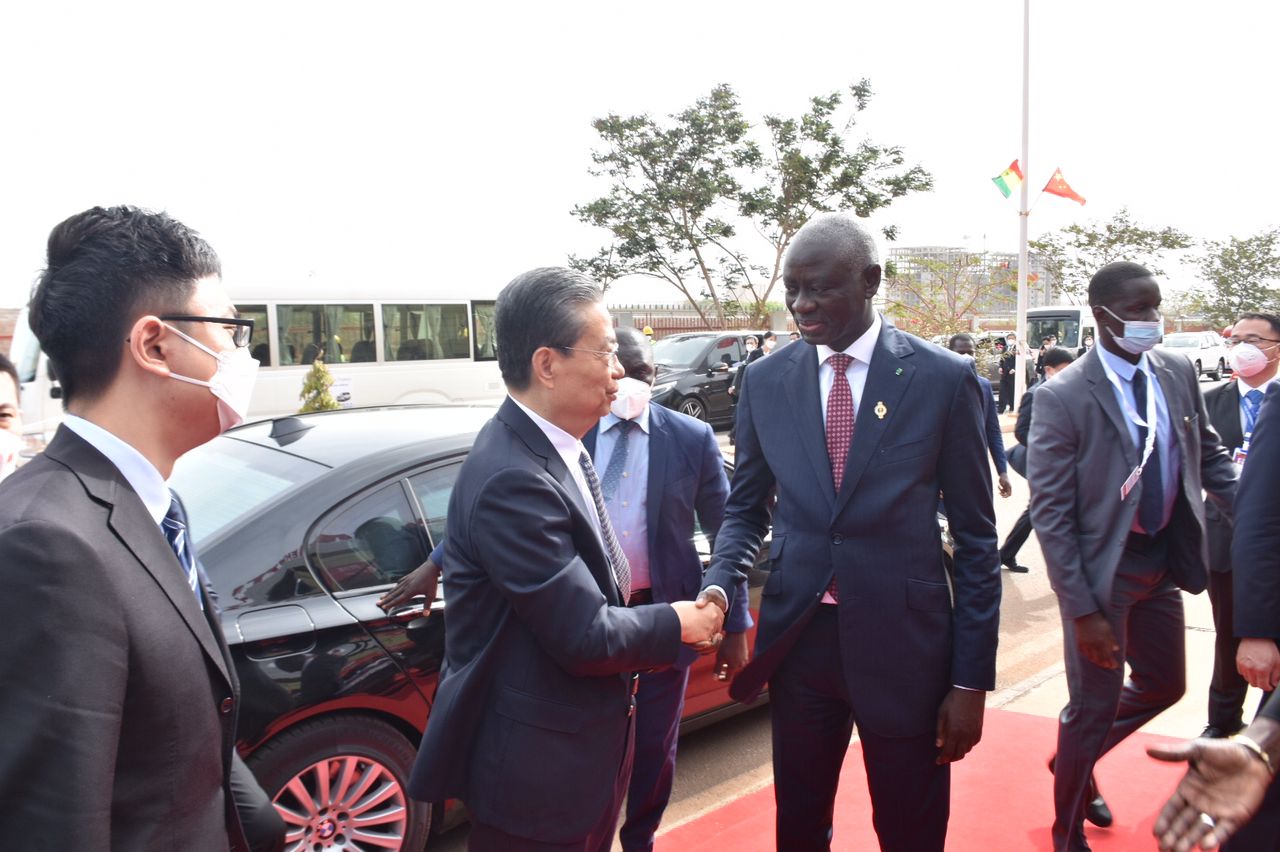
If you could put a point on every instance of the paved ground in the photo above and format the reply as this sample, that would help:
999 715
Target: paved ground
732 759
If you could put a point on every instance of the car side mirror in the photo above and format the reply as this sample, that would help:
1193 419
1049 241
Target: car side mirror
55 391
717 367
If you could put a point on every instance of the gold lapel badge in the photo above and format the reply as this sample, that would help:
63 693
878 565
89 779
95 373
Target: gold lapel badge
880 410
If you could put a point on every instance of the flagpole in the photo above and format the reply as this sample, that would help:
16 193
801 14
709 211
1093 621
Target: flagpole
1020 378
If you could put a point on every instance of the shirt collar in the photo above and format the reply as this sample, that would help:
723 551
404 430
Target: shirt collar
861 349
1121 367
141 474
610 420
569 447
1244 388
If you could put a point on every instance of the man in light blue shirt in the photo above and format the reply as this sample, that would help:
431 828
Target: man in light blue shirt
660 469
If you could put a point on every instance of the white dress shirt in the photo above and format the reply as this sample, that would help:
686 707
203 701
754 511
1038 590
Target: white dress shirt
570 450
141 474
860 351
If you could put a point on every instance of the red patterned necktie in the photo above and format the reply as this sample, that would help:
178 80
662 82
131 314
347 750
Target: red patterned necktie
839 426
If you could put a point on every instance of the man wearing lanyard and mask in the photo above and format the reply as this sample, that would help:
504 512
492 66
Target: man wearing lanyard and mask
119 699
1120 449
659 469
1233 410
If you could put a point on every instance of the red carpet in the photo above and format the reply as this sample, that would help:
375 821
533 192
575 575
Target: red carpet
1001 798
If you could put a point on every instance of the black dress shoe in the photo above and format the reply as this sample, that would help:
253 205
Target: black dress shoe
1015 568
1095 810
1213 732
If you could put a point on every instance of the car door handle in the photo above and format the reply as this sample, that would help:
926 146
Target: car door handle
409 611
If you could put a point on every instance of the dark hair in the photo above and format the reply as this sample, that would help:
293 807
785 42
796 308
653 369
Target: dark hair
1270 319
769 335
951 344
106 267
1105 284
634 351
1058 357
6 366
542 307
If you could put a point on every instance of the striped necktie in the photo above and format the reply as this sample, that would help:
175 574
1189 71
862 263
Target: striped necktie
175 532
617 559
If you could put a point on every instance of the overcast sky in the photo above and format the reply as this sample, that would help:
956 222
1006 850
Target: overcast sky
351 144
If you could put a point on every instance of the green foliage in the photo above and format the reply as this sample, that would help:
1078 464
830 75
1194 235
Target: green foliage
930 297
1077 251
1239 275
315 394
684 190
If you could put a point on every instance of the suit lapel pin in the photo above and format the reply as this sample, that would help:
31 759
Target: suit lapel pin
880 410
898 372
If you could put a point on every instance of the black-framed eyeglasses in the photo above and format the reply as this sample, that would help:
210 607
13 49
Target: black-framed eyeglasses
610 356
1252 339
241 328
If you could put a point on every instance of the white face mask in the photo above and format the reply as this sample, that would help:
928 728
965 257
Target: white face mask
633 398
769 344
10 447
232 382
1247 359
1139 335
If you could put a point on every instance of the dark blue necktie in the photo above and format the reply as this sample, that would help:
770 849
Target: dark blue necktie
617 461
175 532
1151 503
1252 402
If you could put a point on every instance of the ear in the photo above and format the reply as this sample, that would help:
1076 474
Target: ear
871 279
149 344
543 366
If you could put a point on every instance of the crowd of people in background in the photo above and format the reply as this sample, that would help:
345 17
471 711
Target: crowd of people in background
577 601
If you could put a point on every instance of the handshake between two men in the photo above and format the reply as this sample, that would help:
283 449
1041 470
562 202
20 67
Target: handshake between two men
701 621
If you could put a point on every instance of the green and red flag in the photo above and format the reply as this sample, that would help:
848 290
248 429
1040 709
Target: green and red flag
1009 179
1058 186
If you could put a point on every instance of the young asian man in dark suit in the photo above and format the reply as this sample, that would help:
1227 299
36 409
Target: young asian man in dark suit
119 703
1233 409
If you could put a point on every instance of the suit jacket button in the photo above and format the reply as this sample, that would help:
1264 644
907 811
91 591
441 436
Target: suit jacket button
225 707
837 539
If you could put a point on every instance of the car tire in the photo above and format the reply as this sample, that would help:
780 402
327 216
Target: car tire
1199 371
1217 374
337 753
693 407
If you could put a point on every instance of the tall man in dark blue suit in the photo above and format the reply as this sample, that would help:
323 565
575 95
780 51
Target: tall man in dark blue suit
857 429
532 726
660 468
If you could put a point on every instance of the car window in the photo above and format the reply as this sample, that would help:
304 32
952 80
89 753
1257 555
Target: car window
372 541
679 351
226 479
727 351
432 488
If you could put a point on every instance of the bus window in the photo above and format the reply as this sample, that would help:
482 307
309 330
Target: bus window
260 343
337 333
482 331
424 332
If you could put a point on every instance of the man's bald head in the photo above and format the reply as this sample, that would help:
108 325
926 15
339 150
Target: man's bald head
842 236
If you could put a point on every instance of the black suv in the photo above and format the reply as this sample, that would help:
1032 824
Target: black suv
695 371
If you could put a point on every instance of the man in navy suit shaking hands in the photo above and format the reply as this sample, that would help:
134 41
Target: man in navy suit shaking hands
857 428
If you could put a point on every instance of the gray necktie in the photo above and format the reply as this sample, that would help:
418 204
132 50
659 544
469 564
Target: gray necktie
617 559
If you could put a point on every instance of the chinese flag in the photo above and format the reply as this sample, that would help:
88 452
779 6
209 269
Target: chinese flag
1058 186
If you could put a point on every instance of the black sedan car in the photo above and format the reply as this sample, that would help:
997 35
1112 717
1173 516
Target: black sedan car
302 523
695 371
